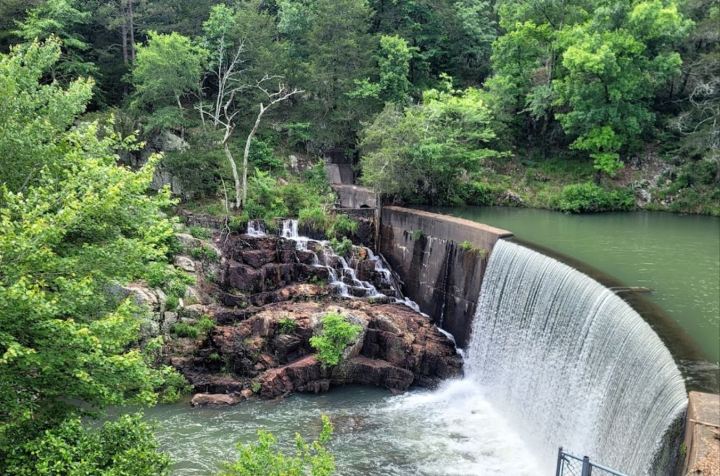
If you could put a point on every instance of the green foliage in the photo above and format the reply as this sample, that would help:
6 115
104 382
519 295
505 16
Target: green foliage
61 20
68 233
256 387
342 247
287 325
394 66
123 447
342 226
315 218
34 114
416 234
166 69
336 334
594 66
421 154
263 458
470 248
204 253
200 232
589 197
193 330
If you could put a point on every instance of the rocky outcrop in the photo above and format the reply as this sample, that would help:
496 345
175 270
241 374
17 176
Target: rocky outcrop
268 299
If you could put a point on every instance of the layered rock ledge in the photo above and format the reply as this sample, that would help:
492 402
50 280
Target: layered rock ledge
267 300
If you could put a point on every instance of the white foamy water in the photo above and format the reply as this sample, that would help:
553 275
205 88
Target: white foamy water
571 363
449 432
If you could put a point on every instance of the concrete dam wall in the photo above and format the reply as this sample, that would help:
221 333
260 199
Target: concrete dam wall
441 261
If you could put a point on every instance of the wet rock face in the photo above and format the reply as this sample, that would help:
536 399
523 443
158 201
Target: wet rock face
269 302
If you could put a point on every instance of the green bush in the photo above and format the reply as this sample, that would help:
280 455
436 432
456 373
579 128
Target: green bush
172 302
343 226
263 157
481 194
203 253
315 218
122 447
287 325
195 330
342 247
589 197
200 232
265 459
337 333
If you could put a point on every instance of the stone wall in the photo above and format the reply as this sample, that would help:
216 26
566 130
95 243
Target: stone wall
353 196
702 435
441 260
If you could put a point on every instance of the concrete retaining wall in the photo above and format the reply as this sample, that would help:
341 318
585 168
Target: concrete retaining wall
441 260
352 196
702 435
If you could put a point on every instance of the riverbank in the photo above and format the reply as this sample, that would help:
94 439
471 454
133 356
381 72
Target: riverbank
567 184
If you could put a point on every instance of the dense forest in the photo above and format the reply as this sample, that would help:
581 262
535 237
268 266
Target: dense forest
575 105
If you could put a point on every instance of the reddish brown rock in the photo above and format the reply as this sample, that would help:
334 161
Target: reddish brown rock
214 399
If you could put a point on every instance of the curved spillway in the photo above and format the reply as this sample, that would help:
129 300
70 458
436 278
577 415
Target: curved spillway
571 362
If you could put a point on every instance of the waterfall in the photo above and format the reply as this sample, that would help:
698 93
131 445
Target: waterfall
571 363
343 275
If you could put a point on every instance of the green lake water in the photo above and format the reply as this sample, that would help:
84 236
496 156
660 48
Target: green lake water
676 256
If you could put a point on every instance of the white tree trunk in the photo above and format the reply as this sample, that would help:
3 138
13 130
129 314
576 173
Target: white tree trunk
247 152
236 176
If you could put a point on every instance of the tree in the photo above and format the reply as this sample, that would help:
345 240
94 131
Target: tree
594 66
60 19
614 65
264 459
69 234
337 51
394 66
236 60
166 71
35 114
422 154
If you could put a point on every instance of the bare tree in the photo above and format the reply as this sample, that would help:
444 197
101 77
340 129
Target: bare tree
225 111
281 94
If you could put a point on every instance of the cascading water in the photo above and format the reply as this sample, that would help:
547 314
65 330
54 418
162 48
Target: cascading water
342 276
571 363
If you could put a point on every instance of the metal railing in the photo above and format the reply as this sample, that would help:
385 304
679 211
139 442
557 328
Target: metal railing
570 465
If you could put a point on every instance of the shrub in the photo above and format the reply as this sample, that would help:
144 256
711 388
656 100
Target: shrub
481 194
123 446
262 157
172 302
342 226
203 253
264 457
200 232
341 247
589 197
337 333
315 218
287 325
195 330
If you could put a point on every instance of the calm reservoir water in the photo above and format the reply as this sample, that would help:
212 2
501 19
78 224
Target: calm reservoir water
676 256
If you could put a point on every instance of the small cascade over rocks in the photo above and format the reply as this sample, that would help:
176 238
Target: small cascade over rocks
345 274
571 363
